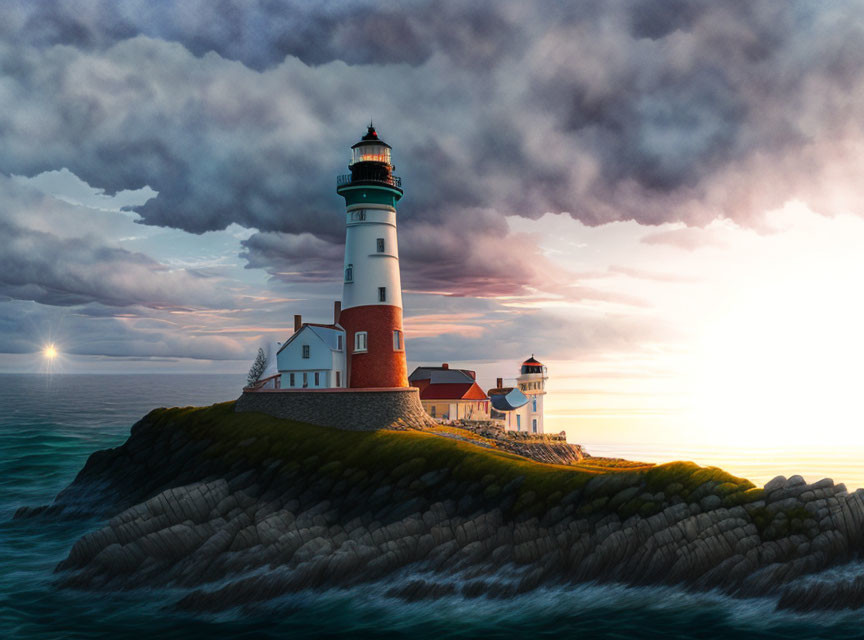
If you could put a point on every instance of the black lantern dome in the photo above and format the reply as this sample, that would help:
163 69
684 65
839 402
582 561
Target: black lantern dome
371 162
532 365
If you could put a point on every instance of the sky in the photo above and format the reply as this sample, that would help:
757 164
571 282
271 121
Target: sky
660 200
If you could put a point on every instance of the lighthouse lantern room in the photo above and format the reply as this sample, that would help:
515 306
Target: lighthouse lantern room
372 292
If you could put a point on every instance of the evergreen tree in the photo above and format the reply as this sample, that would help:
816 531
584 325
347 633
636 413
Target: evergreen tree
258 368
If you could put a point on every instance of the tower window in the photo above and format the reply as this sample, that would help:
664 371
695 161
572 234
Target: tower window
339 344
382 294
358 216
380 243
360 341
305 351
397 340
349 273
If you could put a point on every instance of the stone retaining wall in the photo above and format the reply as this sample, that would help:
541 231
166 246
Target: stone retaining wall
353 410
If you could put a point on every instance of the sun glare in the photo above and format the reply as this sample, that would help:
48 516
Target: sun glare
783 369
49 352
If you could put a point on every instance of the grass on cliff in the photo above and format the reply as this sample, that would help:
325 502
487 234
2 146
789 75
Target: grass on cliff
407 455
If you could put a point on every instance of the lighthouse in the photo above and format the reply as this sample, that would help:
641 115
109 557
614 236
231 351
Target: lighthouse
532 382
371 312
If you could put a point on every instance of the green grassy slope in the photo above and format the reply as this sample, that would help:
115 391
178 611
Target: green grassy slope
406 457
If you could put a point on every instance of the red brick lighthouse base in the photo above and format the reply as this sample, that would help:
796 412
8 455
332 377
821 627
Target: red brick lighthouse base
382 363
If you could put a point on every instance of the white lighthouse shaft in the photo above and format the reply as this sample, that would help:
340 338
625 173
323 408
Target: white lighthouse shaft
371 267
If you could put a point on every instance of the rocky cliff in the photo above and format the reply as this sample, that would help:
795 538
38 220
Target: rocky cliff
232 509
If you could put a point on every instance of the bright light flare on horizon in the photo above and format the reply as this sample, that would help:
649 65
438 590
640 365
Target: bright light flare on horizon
783 368
49 352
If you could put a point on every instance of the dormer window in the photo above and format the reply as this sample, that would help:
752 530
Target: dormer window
380 245
349 273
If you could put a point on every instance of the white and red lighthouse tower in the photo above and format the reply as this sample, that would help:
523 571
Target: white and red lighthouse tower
372 294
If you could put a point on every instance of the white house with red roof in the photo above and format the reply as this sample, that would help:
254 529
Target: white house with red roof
450 394
453 394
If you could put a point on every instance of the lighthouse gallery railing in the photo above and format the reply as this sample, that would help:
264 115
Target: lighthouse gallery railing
393 181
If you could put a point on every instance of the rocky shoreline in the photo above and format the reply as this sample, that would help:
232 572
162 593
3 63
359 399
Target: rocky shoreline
234 509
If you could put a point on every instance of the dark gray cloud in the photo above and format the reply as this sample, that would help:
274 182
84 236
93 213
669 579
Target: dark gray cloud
55 254
242 112
261 33
477 257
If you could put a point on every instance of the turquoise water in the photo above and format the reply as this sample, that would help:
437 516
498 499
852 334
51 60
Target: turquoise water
48 427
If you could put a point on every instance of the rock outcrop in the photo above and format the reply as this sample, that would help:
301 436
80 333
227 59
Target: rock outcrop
233 512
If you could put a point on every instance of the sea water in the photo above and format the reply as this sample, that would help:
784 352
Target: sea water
49 425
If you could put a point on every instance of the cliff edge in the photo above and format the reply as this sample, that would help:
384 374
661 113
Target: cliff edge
237 508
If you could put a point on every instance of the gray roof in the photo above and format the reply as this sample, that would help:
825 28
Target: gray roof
439 375
327 335
509 401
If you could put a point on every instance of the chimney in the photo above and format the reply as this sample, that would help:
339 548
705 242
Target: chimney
337 311
499 383
444 365
298 322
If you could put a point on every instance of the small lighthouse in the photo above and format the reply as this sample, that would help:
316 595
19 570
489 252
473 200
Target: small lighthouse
371 312
532 382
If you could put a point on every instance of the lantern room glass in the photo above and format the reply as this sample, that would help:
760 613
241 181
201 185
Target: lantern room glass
372 152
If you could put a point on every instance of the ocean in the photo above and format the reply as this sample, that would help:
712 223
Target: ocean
50 424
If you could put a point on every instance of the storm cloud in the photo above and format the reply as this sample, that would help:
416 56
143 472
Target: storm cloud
606 111
241 113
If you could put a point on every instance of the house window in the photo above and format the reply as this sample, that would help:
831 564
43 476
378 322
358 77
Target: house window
382 294
290 379
397 340
518 422
318 380
305 351
534 425
305 379
360 341
339 342
349 273
338 378
380 245
432 411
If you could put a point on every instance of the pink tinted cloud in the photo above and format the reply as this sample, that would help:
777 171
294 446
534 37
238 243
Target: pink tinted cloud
687 238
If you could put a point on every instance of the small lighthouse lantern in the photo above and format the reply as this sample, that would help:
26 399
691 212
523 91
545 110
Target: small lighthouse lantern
371 162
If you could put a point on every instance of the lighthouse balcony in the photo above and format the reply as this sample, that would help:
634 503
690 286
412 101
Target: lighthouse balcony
369 178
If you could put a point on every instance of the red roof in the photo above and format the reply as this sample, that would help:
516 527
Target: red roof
452 391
